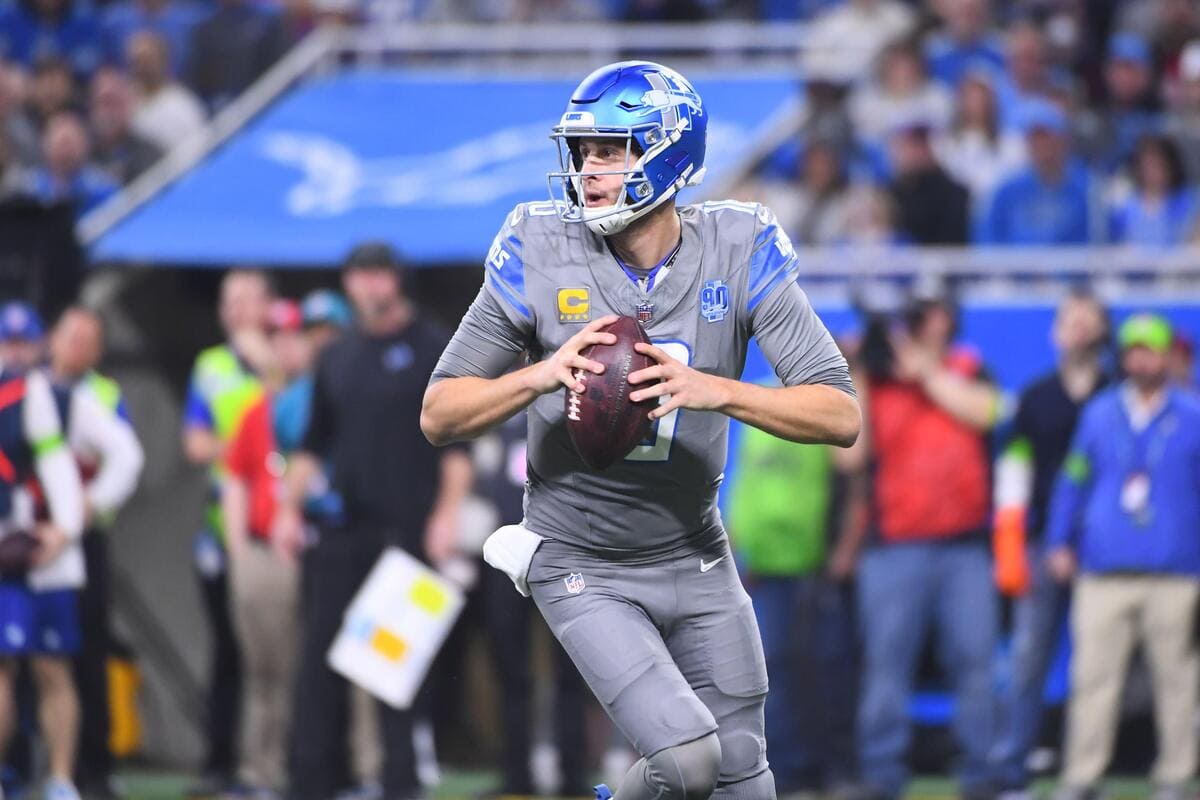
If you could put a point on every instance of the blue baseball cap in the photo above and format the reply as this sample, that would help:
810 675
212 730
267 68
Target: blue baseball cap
325 307
1129 47
20 321
1042 115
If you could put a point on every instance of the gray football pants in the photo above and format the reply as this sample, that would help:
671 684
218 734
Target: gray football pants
671 652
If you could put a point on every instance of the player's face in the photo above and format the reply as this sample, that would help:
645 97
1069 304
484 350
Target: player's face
599 156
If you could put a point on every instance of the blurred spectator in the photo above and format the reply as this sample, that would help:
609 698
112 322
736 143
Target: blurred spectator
871 219
16 126
813 211
1050 202
116 149
225 382
1161 211
397 490
68 176
1131 111
1045 420
231 49
1124 518
901 90
110 460
1168 25
51 91
551 11
173 20
39 612
22 337
780 508
826 117
265 583
1027 78
165 112
788 10
665 11
932 207
976 151
15 179
964 41
927 409
1183 118
847 39
1183 361
34 30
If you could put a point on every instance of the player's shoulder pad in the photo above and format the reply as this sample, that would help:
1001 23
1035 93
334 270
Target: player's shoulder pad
527 230
772 260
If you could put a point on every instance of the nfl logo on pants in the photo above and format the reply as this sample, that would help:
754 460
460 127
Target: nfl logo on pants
574 583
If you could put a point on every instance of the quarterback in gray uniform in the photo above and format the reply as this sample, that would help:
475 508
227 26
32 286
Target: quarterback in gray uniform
631 566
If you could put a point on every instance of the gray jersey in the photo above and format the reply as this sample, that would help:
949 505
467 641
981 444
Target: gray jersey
734 277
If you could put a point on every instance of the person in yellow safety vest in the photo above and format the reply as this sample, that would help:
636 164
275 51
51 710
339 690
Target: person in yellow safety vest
226 381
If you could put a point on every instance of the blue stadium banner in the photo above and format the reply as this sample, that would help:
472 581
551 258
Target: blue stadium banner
428 161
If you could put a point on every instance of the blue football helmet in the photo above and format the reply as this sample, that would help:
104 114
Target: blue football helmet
664 125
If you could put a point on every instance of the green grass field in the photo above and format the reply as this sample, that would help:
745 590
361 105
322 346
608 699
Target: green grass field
467 785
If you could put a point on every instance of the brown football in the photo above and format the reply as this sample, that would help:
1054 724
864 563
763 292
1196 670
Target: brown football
16 554
604 424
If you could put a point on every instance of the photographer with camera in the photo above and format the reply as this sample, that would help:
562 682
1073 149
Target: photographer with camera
929 405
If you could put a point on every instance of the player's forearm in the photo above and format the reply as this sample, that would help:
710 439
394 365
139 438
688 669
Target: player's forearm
811 414
456 409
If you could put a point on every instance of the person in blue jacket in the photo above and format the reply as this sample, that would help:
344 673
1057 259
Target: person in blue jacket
1125 525
1050 201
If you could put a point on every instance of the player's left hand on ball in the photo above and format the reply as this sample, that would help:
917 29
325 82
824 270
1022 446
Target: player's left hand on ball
688 388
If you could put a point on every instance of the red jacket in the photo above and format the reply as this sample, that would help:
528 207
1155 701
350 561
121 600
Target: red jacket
932 478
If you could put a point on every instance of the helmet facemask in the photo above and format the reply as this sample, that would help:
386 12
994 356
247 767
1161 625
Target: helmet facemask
638 197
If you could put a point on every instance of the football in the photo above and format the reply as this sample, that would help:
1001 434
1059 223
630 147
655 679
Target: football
16 554
603 422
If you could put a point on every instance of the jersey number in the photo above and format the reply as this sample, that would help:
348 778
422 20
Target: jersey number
657 444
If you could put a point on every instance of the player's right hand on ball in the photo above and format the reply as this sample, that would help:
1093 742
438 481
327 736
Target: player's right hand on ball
558 370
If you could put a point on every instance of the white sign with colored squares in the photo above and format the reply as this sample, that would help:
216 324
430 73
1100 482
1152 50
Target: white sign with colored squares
394 627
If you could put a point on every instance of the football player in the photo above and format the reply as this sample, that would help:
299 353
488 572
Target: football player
631 566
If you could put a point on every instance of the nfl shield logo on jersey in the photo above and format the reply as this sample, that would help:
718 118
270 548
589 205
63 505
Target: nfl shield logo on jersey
574 583
645 312
714 301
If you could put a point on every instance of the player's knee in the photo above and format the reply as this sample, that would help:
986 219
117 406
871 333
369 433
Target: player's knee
687 771
743 755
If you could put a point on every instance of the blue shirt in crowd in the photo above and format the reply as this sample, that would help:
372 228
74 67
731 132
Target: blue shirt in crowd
1159 224
174 23
27 39
949 61
1128 499
87 189
1025 210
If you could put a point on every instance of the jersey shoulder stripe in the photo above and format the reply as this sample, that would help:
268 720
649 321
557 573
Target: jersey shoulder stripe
773 260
